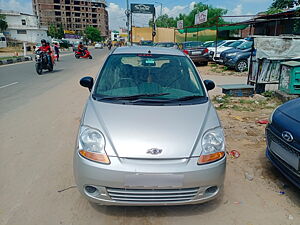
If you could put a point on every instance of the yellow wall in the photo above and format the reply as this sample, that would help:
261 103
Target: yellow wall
167 35
141 33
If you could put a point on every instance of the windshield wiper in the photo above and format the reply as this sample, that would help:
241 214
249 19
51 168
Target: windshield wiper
187 98
132 97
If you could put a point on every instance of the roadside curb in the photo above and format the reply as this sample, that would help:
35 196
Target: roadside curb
15 60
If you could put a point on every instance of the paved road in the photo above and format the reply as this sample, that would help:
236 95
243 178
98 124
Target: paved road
19 83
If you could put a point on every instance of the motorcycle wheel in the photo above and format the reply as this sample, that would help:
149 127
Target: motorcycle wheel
39 68
77 56
50 68
90 57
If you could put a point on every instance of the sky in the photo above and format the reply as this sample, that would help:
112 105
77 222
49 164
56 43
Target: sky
117 17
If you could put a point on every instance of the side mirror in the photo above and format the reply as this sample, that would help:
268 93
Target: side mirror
209 84
87 82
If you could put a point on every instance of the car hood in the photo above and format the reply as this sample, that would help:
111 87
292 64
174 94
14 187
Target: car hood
132 130
291 109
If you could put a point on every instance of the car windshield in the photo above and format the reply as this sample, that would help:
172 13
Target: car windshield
147 43
227 44
208 44
192 44
166 45
219 43
245 45
146 76
235 44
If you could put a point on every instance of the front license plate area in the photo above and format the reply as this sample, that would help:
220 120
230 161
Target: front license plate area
154 180
287 156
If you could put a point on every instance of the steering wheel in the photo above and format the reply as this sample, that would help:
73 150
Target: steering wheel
128 80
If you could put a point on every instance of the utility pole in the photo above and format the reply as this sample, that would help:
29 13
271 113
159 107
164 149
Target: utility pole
161 5
128 17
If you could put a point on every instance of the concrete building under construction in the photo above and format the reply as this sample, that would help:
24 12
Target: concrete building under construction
73 15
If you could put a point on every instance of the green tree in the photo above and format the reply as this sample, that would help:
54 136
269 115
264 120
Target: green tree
60 32
56 32
164 21
3 23
284 4
213 17
92 34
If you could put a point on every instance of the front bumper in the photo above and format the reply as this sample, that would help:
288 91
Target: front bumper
230 62
195 184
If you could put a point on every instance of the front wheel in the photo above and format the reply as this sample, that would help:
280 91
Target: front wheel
77 56
39 68
241 65
90 57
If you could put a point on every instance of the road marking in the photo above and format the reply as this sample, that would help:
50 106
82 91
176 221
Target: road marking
9 85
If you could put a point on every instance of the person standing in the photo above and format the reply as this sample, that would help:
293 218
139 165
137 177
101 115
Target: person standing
56 50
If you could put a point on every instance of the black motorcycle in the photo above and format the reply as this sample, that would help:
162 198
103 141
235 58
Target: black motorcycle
42 63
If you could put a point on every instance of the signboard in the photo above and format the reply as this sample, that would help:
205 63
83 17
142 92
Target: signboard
201 17
72 36
180 24
69 32
142 8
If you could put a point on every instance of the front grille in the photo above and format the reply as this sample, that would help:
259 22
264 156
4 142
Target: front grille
272 137
152 196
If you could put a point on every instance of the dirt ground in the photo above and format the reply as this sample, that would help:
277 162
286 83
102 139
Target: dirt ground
37 141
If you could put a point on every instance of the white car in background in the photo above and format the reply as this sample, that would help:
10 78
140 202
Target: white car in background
98 46
228 45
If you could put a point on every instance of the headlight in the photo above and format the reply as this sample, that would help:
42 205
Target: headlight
213 146
92 145
271 116
37 56
231 54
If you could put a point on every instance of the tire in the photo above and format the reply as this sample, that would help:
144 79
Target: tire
77 56
50 68
204 63
90 57
241 65
39 68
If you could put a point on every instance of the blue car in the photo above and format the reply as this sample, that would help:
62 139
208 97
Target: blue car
237 58
283 140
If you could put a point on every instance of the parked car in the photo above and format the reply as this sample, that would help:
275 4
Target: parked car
146 43
167 45
196 51
208 44
98 46
237 58
223 43
149 134
3 43
283 140
216 56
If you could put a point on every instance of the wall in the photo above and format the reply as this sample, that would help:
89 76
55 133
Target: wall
33 36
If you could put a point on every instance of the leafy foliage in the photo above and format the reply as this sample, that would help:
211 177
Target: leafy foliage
213 17
284 4
92 34
3 23
55 32
279 5
164 21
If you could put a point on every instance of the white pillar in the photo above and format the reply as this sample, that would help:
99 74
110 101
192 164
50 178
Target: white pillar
24 47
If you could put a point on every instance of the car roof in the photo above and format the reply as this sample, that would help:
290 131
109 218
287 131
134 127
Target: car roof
146 49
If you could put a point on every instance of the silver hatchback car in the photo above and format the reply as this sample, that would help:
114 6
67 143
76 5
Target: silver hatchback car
149 134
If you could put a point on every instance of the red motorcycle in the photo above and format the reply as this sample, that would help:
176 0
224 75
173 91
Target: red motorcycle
84 54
